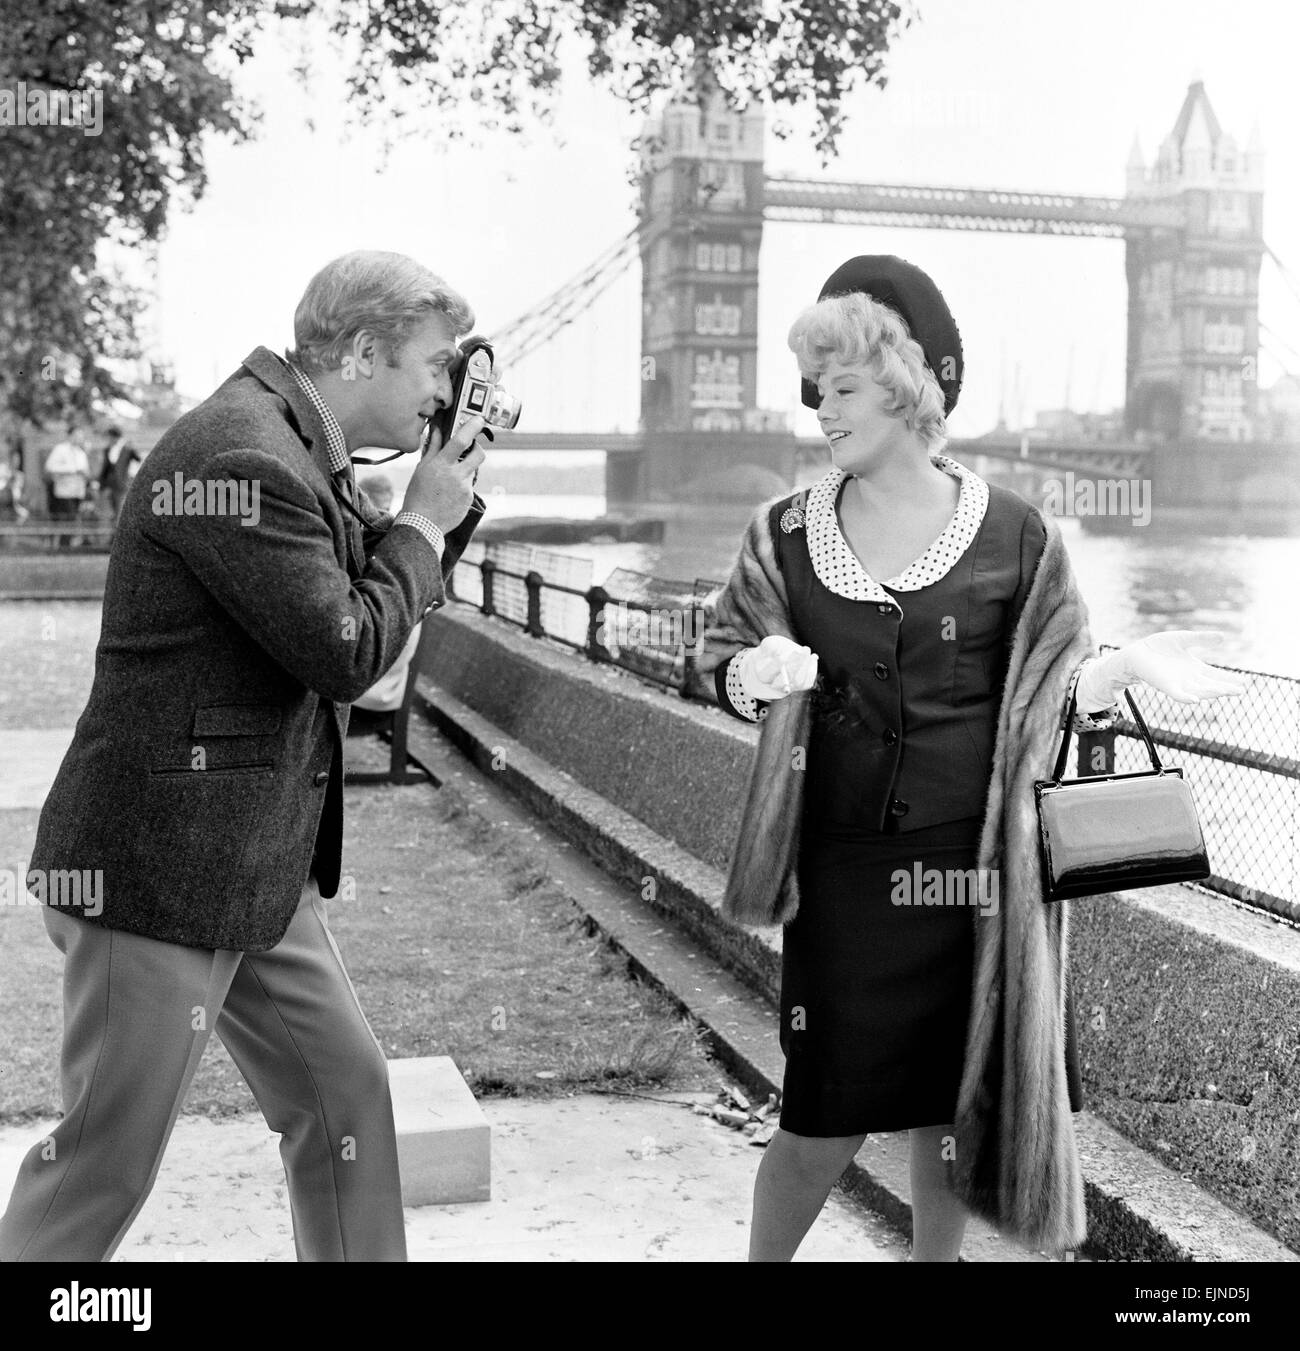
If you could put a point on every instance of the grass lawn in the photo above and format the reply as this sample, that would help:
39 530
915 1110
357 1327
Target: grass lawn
457 946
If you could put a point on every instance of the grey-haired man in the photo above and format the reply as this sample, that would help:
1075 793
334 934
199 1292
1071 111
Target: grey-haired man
252 594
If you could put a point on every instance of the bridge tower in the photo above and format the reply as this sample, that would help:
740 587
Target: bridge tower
1193 308
701 228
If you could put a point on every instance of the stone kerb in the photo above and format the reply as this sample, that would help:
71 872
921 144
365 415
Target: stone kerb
679 765
1189 1038
1186 1003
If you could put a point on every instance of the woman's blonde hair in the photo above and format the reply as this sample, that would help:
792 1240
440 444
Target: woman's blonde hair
856 330
387 294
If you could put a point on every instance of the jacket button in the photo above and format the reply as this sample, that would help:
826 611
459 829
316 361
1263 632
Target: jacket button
322 776
898 807
889 736
884 609
881 670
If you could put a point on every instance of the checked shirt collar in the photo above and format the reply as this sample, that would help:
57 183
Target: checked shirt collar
336 443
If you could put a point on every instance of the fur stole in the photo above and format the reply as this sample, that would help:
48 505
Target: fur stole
762 884
1016 1161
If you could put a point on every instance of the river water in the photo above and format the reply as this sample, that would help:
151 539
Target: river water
1138 583
1134 584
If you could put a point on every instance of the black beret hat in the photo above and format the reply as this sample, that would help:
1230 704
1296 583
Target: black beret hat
912 295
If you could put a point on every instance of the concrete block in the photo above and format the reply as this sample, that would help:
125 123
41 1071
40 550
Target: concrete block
444 1143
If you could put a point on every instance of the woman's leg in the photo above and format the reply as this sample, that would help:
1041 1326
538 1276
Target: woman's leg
794 1180
938 1217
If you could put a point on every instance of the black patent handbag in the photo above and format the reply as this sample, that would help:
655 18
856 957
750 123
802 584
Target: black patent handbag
1116 832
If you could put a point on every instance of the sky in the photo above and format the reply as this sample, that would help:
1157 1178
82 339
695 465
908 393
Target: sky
1017 94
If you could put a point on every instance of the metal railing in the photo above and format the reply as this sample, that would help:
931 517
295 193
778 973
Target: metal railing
605 625
1242 756
91 535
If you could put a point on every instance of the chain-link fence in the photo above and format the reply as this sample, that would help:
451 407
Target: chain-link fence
1241 755
500 572
651 624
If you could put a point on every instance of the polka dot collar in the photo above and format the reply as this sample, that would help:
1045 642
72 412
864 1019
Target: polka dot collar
837 566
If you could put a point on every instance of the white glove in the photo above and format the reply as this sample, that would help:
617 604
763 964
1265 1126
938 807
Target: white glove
777 667
1164 661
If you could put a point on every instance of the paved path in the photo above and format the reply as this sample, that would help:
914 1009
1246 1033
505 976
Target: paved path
584 1179
588 1178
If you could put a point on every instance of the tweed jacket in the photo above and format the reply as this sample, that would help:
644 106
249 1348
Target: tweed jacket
1016 1160
205 776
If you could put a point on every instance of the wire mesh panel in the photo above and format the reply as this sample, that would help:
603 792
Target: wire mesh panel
1241 757
466 578
563 616
650 622
629 584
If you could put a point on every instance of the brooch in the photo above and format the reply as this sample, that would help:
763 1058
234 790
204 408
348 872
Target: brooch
791 519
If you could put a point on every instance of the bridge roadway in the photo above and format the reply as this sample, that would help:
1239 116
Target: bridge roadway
1122 459
794 198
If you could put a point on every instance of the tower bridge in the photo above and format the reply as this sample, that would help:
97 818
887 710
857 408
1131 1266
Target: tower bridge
1192 227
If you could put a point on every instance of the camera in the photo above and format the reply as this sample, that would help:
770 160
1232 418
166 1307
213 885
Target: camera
476 392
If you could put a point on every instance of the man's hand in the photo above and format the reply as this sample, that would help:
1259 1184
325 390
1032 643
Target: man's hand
442 487
777 667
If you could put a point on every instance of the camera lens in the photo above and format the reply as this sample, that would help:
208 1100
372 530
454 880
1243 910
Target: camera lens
503 409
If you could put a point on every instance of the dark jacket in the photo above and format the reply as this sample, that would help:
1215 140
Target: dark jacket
205 775
889 761
1017 1161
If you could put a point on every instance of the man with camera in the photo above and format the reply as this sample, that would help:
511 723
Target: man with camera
252 595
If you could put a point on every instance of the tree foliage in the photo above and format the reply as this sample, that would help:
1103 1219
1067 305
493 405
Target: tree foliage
497 64
68 195
164 71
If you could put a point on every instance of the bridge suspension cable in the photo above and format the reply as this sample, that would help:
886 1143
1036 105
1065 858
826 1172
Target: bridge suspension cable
1281 343
539 325
1287 275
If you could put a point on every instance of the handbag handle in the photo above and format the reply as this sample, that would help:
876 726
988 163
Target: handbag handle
1064 752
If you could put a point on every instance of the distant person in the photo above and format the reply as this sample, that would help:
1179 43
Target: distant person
134 459
386 694
121 461
12 510
67 479
232 644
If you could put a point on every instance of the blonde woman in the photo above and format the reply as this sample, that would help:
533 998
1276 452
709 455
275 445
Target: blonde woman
907 635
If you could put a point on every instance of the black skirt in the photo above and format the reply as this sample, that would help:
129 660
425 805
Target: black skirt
875 994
